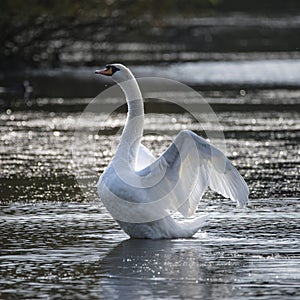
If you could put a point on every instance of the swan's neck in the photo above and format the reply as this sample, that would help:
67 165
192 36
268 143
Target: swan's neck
133 130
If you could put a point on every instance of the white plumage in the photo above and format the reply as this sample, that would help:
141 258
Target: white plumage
141 191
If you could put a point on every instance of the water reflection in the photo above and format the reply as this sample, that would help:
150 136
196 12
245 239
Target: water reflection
181 269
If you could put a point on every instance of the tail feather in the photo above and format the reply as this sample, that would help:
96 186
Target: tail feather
193 226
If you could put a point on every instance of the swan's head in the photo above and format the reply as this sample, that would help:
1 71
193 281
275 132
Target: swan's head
118 72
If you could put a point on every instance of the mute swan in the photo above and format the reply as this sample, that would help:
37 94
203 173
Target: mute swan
140 191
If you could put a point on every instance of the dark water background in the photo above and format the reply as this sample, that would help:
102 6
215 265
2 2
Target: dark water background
58 243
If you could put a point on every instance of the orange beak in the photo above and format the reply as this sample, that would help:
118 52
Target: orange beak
107 71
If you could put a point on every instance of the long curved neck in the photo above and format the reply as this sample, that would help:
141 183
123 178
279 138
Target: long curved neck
133 130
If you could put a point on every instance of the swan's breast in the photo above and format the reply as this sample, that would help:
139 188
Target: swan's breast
112 185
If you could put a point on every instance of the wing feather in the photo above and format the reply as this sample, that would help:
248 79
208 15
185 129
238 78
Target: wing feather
191 164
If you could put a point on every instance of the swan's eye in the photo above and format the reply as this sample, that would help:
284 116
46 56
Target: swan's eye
114 69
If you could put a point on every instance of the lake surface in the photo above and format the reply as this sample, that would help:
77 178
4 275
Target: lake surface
65 250
58 241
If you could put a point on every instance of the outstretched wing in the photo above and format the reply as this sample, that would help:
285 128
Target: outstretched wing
181 175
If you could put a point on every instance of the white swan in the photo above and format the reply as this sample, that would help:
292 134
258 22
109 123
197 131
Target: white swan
140 191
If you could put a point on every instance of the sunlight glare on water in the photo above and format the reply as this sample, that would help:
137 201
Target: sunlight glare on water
55 244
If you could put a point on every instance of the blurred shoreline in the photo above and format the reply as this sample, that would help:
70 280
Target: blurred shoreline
142 41
229 50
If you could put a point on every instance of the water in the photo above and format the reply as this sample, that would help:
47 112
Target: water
70 250
57 243
256 73
81 82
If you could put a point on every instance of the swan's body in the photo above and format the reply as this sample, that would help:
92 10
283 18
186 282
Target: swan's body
140 191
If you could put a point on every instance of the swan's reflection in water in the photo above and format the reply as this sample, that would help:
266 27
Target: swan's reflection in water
168 269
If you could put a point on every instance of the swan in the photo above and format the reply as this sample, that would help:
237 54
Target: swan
140 191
